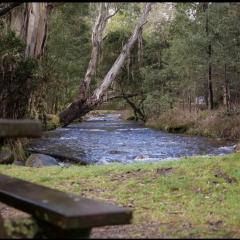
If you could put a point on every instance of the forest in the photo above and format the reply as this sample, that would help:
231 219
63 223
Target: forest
185 60
134 84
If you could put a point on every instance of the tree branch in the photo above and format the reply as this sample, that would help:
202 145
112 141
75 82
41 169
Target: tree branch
118 64
5 7
97 38
111 15
83 105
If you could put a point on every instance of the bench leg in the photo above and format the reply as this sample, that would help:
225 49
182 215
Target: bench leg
49 231
1 142
3 233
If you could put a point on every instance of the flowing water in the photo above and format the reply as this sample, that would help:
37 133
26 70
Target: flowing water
107 138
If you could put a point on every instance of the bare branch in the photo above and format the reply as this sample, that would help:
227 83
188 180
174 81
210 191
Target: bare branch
111 15
115 69
83 105
97 38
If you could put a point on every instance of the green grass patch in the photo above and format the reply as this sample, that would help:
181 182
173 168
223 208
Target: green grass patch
192 197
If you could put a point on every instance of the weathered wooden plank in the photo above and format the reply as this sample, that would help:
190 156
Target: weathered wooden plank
20 128
64 210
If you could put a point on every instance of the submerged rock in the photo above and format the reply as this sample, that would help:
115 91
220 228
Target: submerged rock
117 152
141 157
6 157
41 160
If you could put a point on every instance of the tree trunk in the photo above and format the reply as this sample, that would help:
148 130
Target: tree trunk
79 108
190 102
210 88
29 22
209 51
226 92
138 112
97 37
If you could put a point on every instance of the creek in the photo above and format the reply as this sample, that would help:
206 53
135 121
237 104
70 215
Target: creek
106 138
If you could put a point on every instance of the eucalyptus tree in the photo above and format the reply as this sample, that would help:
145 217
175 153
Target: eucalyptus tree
83 105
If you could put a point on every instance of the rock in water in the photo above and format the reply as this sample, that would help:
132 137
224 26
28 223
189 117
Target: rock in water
41 160
141 157
6 157
237 148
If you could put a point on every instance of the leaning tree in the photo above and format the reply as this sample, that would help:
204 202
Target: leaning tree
30 22
86 101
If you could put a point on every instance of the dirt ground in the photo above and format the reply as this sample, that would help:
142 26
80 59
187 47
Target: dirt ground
123 231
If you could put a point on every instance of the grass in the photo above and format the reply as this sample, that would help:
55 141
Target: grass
193 197
217 123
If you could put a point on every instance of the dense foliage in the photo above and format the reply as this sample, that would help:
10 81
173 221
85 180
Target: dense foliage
169 67
17 80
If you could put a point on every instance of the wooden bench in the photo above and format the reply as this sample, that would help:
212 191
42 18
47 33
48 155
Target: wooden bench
10 128
58 214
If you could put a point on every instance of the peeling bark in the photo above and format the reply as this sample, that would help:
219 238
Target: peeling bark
29 22
79 108
97 37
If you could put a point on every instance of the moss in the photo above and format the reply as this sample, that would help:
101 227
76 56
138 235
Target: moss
21 228
16 147
52 122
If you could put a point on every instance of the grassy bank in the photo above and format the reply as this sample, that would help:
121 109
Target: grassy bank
193 197
217 123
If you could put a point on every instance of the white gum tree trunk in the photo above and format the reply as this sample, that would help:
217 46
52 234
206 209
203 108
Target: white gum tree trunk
79 108
97 37
29 22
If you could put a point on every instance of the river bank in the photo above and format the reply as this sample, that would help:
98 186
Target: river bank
193 197
215 124
102 137
218 124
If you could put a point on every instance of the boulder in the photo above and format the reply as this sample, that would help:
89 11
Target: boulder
41 160
6 157
59 151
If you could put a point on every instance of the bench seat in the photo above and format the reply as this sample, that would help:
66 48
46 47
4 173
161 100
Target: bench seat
63 210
